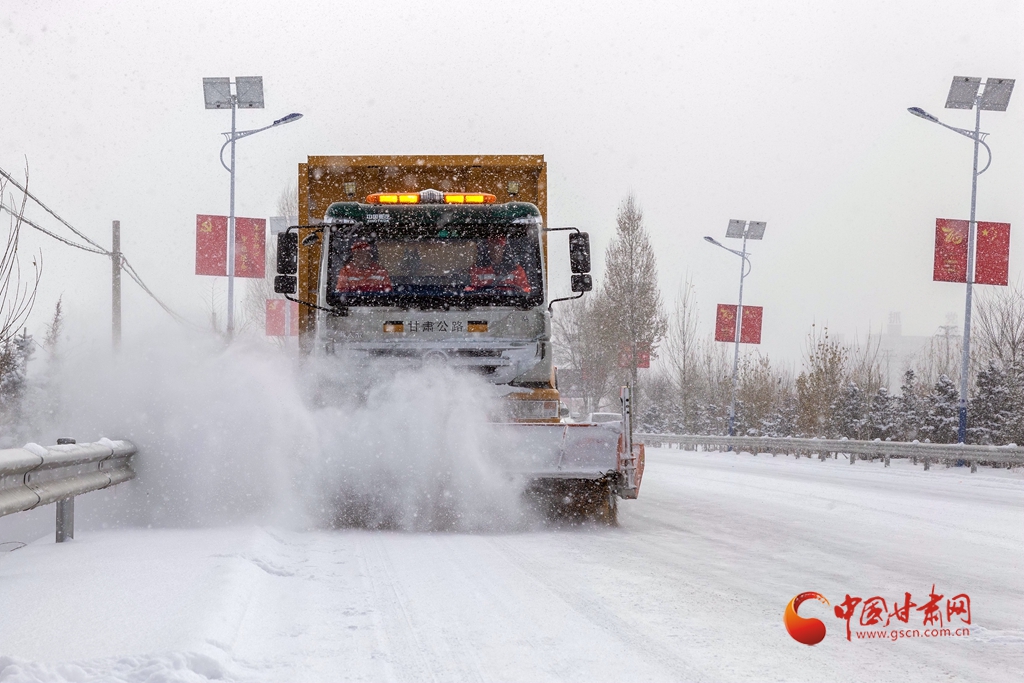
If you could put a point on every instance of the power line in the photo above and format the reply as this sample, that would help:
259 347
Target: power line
55 236
94 248
48 210
130 270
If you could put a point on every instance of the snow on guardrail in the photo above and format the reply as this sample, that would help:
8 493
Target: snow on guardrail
35 475
1012 456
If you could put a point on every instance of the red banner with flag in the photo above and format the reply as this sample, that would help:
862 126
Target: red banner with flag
950 250
992 254
725 324
282 318
211 245
250 247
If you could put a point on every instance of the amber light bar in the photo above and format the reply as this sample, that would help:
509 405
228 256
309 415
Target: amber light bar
394 198
432 198
469 198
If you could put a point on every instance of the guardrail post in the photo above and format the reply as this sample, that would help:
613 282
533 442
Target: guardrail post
927 464
974 466
65 519
853 458
886 459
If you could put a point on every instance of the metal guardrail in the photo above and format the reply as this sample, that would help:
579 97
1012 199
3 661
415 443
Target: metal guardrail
1012 456
34 476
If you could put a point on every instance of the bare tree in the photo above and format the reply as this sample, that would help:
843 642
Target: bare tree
866 364
941 358
820 384
17 295
582 345
999 326
636 317
683 353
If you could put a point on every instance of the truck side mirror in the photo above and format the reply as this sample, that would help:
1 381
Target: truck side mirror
285 284
582 283
579 255
287 255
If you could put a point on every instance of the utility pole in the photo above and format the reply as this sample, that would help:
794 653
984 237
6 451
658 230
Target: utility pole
115 281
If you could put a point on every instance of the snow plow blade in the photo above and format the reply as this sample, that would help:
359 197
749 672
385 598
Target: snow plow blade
575 451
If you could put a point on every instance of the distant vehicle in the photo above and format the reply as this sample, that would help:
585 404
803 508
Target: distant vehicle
604 417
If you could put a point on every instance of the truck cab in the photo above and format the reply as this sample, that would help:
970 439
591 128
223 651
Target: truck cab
406 275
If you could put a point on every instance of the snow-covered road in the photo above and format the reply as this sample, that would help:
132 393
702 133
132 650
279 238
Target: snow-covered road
691 586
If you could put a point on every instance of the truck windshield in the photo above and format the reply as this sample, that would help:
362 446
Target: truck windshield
450 267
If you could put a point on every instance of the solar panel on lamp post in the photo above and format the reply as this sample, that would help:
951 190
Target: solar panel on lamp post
964 94
248 94
745 230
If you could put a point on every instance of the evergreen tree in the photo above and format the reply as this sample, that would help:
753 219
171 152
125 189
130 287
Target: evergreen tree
990 406
1013 429
782 421
848 413
942 420
14 358
882 415
909 418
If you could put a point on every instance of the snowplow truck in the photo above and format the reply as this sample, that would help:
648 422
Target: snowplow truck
444 259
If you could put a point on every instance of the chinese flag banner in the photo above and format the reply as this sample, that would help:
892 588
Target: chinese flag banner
992 254
282 318
725 324
211 245
950 250
250 247
751 325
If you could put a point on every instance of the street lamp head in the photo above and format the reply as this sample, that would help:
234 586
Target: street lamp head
917 111
287 119
708 238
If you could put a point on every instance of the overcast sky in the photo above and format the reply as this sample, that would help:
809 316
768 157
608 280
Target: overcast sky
788 112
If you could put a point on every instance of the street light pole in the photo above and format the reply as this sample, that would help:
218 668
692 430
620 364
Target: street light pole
736 350
972 231
966 93
248 93
231 229
746 230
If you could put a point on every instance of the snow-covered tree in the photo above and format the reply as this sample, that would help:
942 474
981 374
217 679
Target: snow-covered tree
15 355
882 418
909 416
942 420
849 413
989 410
